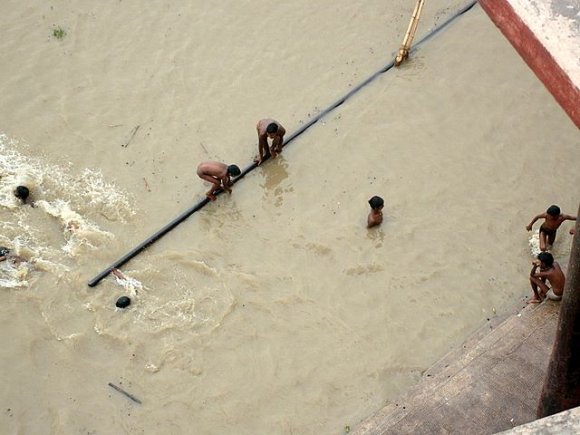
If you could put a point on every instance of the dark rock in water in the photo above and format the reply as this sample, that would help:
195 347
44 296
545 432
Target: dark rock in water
4 250
123 302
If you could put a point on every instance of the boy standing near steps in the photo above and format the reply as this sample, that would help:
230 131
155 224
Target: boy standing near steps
553 219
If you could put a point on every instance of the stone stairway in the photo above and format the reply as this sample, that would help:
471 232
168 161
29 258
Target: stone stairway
490 384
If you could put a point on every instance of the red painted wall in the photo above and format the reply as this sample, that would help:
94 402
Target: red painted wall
535 55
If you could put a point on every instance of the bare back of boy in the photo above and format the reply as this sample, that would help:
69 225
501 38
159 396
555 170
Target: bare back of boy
215 173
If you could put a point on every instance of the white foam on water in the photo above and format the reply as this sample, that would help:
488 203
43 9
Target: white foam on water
109 201
132 285
87 191
77 230
76 199
13 274
16 170
534 243
15 270
201 309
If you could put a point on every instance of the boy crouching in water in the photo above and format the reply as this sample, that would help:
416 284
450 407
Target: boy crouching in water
376 215
218 174
551 272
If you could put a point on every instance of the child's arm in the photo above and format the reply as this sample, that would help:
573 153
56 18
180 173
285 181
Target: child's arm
118 273
262 147
540 216
277 142
541 274
280 138
567 217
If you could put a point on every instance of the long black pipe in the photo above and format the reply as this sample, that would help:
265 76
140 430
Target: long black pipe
179 219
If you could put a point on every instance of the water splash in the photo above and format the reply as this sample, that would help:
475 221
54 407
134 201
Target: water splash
79 200
108 200
78 231
16 170
13 274
534 243
201 309
88 192
132 285
15 270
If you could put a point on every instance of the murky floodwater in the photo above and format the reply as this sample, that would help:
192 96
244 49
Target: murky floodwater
274 310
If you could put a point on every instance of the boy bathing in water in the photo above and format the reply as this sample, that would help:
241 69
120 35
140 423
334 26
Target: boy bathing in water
22 193
551 272
553 220
6 254
269 129
376 215
218 174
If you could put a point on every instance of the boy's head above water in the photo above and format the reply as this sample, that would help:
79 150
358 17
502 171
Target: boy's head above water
21 192
376 202
553 210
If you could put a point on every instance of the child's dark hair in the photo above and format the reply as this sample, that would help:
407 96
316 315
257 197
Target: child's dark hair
546 258
272 128
22 192
553 210
376 202
234 170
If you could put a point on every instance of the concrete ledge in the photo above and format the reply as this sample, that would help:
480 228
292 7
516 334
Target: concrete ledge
564 423
546 34
490 384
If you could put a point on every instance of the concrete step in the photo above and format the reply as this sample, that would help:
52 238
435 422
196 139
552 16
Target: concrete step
490 384
563 423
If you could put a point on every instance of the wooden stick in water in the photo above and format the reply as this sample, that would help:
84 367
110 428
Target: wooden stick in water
120 390
133 133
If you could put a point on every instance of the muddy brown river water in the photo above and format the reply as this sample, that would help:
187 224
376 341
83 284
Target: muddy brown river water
273 310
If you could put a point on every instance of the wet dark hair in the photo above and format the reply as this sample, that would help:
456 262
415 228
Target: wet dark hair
272 128
22 192
234 170
376 202
546 258
553 210
123 302
4 250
